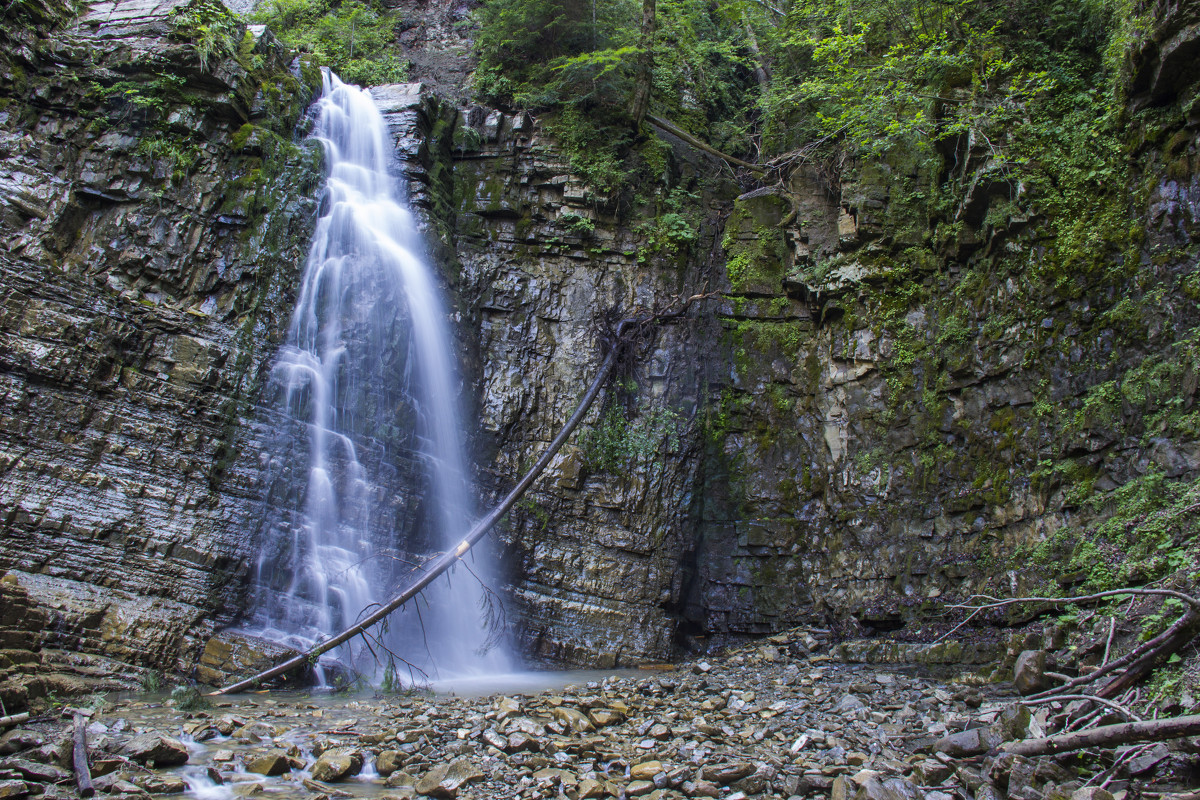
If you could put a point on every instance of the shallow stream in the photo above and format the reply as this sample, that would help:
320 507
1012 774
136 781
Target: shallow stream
301 723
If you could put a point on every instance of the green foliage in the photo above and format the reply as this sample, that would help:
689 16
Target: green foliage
151 95
38 15
578 60
390 682
1154 624
1144 533
670 235
181 155
593 147
355 39
616 441
153 681
575 225
210 27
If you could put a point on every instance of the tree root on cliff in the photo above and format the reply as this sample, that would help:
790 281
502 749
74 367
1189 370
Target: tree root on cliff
623 334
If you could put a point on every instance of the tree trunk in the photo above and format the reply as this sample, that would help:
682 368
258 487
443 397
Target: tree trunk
1107 735
762 75
699 145
640 102
79 757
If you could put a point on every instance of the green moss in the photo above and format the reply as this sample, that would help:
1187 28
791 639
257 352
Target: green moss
756 251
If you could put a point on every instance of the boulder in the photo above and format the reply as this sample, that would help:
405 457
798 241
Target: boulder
725 774
337 764
33 770
645 771
159 784
388 762
575 720
13 790
19 739
156 750
890 789
445 780
1091 793
271 763
971 742
1149 759
1029 672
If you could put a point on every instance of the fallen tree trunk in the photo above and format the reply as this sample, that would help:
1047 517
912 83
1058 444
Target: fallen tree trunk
14 719
1107 735
659 122
1133 655
79 758
446 560
1172 639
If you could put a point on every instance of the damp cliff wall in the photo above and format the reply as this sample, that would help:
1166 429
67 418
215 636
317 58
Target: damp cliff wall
873 416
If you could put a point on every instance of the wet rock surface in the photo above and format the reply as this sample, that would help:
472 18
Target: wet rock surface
750 724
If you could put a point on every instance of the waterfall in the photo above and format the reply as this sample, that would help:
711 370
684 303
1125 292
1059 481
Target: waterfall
362 406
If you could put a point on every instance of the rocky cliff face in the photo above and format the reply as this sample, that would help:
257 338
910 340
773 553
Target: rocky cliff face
153 210
868 421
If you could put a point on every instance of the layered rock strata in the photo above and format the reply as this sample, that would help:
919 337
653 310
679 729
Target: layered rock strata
153 209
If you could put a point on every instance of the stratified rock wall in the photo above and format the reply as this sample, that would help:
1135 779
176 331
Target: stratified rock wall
540 266
867 422
153 213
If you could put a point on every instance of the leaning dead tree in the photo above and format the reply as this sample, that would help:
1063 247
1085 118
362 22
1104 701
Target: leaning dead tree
680 133
623 334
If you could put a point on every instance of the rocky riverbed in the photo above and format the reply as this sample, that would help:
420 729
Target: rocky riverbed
758 722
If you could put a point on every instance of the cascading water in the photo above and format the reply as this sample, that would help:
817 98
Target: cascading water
363 408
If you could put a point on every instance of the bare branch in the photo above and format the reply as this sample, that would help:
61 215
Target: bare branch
959 625
995 602
1066 697
1112 629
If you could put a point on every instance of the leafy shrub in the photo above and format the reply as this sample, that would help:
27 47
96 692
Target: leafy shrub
616 441
211 28
355 39
188 698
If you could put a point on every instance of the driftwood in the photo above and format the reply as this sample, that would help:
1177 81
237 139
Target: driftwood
443 562
1066 698
1151 646
79 757
14 719
1107 736
1136 663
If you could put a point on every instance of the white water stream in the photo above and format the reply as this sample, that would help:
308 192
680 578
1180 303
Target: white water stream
367 392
